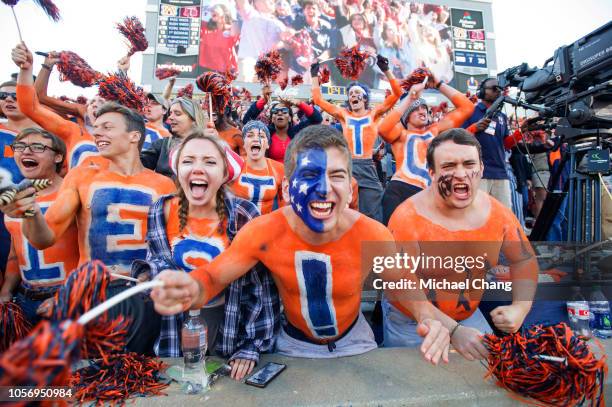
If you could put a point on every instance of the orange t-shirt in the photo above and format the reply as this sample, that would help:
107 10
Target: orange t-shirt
262 187
360 132
198 244
42 268
410 146
111 212
233 137
7 158
320 285
80 144
154 133
501 233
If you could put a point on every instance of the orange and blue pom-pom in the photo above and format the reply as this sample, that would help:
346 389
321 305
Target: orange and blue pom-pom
134 31
119 88
186 91
76 70
351 62
268 66
549 364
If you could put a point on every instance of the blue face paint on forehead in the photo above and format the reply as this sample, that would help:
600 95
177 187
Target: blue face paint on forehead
309 184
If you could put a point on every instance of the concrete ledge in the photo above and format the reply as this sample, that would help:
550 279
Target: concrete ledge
383 377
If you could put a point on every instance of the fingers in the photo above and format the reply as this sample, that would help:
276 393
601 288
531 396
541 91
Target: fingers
439 346
241 368
483 353
436 339
177 294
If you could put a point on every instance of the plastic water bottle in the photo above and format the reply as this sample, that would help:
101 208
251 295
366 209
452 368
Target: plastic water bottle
600 314
578 312
194 339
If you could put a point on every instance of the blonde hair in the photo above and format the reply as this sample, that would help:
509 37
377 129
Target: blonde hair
198 134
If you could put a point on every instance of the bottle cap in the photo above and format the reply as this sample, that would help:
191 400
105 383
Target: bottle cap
194 312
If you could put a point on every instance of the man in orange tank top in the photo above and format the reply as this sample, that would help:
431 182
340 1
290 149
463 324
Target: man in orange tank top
312 248
409 130
453 220
360 128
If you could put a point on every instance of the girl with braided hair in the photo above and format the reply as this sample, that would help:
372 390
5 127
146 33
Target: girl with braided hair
190 228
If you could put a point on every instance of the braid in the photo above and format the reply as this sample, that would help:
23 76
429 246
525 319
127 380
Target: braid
183 209
221 207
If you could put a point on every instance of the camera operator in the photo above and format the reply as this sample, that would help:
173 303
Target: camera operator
491 133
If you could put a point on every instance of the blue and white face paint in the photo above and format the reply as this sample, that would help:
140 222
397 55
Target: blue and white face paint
308 185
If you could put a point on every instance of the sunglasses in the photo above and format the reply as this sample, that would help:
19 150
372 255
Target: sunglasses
34 147
4 95
284 110
496 87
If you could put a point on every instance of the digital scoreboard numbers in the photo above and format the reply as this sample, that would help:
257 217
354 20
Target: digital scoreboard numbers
179 26
178 36
469 41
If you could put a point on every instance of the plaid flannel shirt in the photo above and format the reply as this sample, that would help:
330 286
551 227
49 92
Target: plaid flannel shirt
252 305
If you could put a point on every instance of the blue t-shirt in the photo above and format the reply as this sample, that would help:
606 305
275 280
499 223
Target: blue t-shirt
492 142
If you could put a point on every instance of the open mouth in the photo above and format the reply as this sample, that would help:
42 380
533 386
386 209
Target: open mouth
29 163
102 144
198 188
255 149
321 209
9 107
461 190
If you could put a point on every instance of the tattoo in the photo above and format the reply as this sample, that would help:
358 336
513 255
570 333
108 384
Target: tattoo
445 185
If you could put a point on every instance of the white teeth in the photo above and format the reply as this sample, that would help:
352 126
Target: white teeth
321 205
199 183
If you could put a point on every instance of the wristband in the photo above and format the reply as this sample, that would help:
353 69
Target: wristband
47 67
452 332
439 84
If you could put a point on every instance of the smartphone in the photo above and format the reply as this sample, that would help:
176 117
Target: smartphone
265 375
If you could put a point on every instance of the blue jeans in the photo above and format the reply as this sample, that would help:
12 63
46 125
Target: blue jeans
28 307
558 229
400 330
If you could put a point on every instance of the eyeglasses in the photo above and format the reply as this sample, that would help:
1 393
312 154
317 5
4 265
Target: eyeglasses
284 110
496 87
4 95
34 147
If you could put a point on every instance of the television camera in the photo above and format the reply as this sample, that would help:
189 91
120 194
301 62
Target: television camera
572 94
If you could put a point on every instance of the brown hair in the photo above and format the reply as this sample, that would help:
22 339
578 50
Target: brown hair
457 136
133 121
8 84
57 144
198 134
315 136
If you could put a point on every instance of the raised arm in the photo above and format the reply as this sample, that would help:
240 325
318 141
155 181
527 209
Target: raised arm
390 129
256 107
28 101
41 84
396 89
317 98
168 89
464 108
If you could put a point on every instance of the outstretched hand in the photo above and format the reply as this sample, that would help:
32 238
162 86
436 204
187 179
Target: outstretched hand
22 57
436 340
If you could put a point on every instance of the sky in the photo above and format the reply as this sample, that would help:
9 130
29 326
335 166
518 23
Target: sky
525 31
